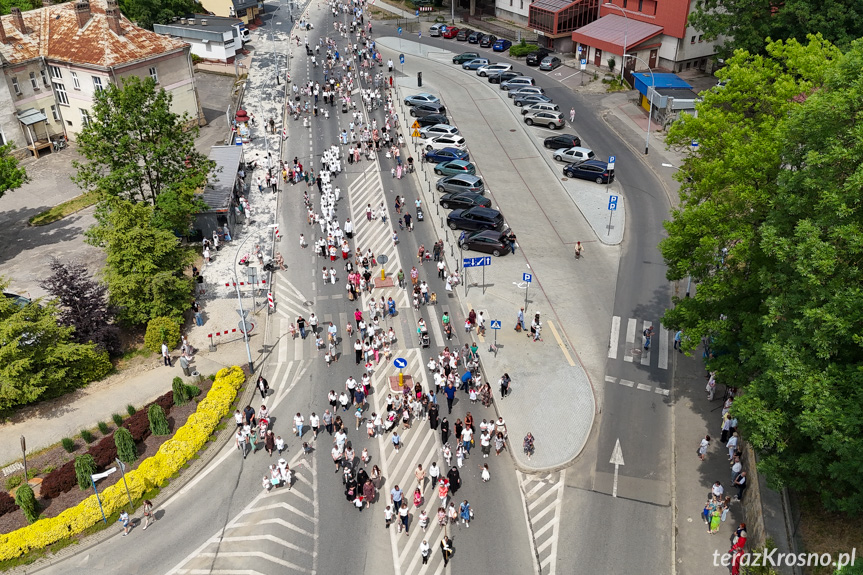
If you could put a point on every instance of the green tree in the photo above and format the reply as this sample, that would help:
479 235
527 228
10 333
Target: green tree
126 449
147 12
770 229
137 149
751 24
38 357
144 268
12 175
85 466
158 421
162 330
24 5
26 500
181 392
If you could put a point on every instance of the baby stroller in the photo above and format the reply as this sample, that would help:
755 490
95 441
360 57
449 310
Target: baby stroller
420 216
424 338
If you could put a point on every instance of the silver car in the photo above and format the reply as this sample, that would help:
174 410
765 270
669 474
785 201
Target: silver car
551 120
575 155
525 90
540 107
520 82
461 183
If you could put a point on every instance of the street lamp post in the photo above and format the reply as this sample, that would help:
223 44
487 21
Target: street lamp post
625 30
650 98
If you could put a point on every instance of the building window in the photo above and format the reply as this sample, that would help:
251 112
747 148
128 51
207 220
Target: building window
85 117
640 5
692 40
15 86
33 81
76 83
521 5
701 38
44 75
510 2
154 75
61 94
55 113
56 73
97 83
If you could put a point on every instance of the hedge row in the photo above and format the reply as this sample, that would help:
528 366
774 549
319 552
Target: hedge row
152 472
63 478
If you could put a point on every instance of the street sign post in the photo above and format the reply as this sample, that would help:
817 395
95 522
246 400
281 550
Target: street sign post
401 59
93 479
526 278
474 263
415 125
401 363
495 325
399 30
612 207
583 66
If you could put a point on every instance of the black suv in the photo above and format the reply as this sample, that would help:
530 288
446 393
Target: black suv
432 119
534 58
487 41
475 37
464 33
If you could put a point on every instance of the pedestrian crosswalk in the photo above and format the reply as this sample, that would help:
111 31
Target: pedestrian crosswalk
257 540
636 385
543 499
632 348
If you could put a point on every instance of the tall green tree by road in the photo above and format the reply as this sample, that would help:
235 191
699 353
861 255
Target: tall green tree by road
144 267
12 175
771 230
38 358
149 12
747 24
137 149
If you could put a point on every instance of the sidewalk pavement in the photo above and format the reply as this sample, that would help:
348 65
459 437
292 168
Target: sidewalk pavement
46 424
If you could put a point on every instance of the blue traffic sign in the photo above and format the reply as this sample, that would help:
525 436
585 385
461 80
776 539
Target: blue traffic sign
421 33
418 14
694 143
612 203
399 29
477 262
527 277
400 362
495 324
611 159
579 49
401 58
584 61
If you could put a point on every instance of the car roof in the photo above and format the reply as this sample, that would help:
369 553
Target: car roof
484 212
455 151
581 149
595 163
486 233
468 177
440 126
456 162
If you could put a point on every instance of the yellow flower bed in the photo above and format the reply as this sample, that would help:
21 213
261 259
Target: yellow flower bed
153 471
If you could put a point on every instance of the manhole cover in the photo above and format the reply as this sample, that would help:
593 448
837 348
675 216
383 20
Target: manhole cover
564 179
308 303
512 130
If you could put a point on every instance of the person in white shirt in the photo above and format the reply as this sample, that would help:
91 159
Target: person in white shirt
425 548
280 444
315 422
299 420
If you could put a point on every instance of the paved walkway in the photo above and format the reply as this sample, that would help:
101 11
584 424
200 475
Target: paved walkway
45 425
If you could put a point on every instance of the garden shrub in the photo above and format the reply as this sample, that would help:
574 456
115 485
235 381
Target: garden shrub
59 481
192 391
139 426
26 500
87 436
104 452
68 444
161 329
14 481
126 449
130 409
180 392
158 421
165 401
85 466
117 419
103 428
522 49
7 503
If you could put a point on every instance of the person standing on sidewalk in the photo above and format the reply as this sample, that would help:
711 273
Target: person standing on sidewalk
166 356
527 444
263 386
740 484
702 448
678 339
519 320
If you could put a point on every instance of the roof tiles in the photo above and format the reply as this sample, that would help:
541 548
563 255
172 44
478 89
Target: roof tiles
53 33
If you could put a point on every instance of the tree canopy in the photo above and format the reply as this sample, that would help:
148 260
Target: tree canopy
149 12
137 149
38 358
770 227
749 24
145 263
12 175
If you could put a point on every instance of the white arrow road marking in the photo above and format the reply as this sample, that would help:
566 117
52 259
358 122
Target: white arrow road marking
617 460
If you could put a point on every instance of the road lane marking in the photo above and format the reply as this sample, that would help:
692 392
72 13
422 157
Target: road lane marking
663 347
644 387
626 382
630 338
661 391
560 343
612 339
645 357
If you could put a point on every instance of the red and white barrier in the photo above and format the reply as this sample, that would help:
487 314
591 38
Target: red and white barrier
242 284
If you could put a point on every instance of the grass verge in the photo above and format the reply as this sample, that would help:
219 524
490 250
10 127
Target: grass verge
60 211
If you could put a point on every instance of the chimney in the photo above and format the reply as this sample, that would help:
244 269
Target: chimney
112 13
203 22
82 13
191 21
2 33
183 21
18 19
46 3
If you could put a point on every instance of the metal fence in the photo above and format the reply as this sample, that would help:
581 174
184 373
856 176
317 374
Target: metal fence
479 20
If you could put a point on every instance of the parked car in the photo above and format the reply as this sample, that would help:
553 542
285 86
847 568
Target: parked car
552 120
562 141
475 37
460 184
475 63
421 99
483 71
463 34
445 141
426 109
487 41
574 155
520 82
450 32
445 155
502 77
527 100
455 168
437 29
501 45
475 218
524 91
486 241
464 57
595 170
438 130
463 201
534 58
431 120
540 107
550 63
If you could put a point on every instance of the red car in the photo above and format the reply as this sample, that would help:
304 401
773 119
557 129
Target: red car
450 32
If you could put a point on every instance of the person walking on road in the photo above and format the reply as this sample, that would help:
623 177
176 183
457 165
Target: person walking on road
449 391
702 448
572 115
465 513
678 339
263 386
519 320
425 551
648 334
528 445
148 513
446 549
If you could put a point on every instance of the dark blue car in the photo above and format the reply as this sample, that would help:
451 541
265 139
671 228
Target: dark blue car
445 155
595 170
501 45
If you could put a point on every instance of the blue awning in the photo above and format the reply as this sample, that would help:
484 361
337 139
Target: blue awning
641 80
